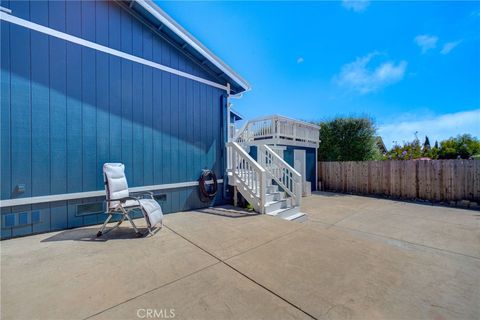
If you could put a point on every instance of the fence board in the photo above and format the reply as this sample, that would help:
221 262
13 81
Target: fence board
434 180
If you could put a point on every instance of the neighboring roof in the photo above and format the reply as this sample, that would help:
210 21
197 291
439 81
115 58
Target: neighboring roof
236 116
188 43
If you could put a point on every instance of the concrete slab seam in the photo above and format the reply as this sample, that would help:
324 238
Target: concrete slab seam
244 275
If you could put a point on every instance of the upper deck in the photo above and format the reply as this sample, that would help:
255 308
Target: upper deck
278 130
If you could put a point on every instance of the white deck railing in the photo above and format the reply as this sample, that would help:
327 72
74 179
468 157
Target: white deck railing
248 176
278 129
280 171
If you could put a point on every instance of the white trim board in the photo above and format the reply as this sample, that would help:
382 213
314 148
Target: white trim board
91 194
95 46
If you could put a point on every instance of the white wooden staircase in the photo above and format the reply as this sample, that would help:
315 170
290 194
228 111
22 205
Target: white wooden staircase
270 185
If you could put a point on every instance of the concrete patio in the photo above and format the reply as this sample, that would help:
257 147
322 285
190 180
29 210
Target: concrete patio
356 257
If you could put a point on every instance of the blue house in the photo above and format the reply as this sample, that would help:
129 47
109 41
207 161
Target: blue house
88 82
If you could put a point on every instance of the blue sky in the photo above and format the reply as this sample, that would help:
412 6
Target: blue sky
411 66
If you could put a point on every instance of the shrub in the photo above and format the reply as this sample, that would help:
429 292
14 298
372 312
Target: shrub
348 139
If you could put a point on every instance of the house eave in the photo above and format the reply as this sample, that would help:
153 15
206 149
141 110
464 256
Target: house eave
237 83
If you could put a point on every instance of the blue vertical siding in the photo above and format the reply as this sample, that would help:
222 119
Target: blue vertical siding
159 124
74 101
40 102
58 114
115 86
174 129
182 136
40 116
20 104
102 99
137 117
5 133
89 114
67 109
147 100
127 95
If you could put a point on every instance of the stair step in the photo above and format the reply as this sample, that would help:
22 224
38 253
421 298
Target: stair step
272 188
298 217
290 214
284 212
289 211
275 213
275 205
274 196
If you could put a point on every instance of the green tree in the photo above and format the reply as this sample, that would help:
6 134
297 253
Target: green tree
434 151
348 139
461 147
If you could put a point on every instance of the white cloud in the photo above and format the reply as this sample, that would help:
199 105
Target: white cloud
436 128
359 77
449 46
426 42
356 5
300 60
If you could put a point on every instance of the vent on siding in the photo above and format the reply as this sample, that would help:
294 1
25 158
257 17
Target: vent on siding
160 197
9 220
90 208
21 219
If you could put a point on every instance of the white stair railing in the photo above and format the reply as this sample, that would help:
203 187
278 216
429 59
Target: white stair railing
283 174
248 176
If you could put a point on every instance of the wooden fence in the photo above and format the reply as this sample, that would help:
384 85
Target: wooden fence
434 180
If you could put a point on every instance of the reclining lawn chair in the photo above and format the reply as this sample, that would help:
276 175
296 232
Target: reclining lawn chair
120 201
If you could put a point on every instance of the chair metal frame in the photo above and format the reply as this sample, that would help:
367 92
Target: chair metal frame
124 210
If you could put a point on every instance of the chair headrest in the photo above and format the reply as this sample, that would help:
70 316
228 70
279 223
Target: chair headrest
115 180
112 170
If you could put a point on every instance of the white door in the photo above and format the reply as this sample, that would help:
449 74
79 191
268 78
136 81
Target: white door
299 162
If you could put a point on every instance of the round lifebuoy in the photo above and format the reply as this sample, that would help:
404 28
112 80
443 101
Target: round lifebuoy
208 190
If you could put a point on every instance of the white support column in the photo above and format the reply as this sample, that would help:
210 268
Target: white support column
263 191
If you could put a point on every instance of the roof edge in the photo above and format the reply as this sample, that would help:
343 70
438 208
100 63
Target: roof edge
165 19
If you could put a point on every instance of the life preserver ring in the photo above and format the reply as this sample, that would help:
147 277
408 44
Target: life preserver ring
208 190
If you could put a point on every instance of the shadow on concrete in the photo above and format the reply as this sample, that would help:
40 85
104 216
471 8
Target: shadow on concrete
90 234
